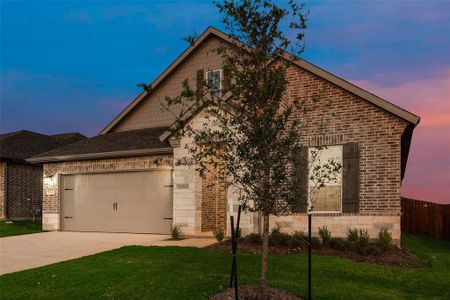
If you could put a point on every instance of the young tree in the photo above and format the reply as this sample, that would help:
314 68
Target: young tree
256 132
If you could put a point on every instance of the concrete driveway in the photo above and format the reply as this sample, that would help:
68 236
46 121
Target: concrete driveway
39 249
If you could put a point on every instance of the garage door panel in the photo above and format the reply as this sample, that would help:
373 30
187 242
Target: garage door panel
120 202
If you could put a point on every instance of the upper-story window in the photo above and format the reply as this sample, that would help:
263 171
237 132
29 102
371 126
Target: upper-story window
214 78
327 198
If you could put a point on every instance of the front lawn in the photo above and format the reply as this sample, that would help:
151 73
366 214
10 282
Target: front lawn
10 228
189 273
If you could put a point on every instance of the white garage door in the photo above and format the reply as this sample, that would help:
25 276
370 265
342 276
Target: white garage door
138 202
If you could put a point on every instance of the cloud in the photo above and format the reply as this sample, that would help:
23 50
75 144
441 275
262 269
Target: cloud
428 171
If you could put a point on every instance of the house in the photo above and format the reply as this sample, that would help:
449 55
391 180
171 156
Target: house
126 179
21 181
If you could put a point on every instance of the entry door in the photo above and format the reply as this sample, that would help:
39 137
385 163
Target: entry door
138 202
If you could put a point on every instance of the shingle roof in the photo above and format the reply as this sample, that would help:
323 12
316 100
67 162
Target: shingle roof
109 145
22 144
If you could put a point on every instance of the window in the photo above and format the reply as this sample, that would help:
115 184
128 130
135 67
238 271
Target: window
327 198
215 79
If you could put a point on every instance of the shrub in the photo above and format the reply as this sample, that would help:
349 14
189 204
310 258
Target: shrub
352 234
238 233
219 234
325 234
315 242
385 239
278 238
363 239
338 244
255 238
175 232
297 240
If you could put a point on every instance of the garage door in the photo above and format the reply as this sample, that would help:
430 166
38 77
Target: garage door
138 202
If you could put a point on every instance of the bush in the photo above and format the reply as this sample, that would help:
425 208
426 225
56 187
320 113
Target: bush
325 234
363 239
175 232
219 234
352 234
385 239
338 244
315 242
297 240
254 238
278 238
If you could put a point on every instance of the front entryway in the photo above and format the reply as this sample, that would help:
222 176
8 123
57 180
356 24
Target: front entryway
138 202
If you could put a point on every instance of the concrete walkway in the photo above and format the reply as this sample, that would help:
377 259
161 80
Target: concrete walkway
39 249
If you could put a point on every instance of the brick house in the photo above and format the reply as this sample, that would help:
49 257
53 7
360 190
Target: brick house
21 181
125 179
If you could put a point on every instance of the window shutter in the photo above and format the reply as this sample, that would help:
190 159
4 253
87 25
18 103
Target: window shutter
350 178
200 83
301 178
226 83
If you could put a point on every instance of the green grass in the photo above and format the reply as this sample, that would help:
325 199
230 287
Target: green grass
189 273
19 227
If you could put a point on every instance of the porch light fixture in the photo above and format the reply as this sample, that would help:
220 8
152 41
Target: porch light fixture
49 180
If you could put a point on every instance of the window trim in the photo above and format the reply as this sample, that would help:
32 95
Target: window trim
341 146
220 80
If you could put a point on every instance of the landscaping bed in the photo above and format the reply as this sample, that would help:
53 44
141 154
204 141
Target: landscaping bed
351 248
254 292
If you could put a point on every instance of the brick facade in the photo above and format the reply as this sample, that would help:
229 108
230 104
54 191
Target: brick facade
214 204
24 191
51 198
2 190
338 117
20 191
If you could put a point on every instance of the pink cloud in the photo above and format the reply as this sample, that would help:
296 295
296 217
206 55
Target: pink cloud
428 171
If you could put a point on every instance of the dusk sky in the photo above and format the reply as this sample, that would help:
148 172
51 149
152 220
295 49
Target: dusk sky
73 66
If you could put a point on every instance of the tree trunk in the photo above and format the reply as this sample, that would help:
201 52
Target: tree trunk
265 252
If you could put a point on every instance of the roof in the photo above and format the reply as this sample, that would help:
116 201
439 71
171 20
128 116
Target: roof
116 144
70 137
19 145
211 31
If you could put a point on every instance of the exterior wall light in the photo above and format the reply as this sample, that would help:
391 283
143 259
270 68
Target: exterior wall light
49 180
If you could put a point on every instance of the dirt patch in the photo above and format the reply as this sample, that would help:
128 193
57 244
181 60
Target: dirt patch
394 257
254 292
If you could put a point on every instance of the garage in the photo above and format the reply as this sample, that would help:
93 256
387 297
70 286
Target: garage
138 202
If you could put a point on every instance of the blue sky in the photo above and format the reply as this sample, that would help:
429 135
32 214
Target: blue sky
73 66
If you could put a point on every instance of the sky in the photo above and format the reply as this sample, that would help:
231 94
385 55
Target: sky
73 66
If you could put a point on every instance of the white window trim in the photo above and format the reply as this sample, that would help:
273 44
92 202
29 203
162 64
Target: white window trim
342 182
220 81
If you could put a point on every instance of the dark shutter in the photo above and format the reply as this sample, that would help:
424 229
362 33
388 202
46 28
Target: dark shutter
350 178
301 179
200 83
226 82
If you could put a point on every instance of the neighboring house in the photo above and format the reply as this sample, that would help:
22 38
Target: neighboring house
21 181
126 179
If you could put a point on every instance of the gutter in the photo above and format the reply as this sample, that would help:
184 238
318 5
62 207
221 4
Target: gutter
99 155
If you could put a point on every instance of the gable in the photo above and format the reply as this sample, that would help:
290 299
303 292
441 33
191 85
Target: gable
149 112
145 110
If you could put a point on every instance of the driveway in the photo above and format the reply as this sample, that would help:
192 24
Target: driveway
39 249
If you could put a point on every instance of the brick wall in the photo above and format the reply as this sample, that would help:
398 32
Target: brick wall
24 191
338 117
214 202
51 197
2 190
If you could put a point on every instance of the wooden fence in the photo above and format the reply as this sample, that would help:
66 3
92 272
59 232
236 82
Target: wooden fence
426 218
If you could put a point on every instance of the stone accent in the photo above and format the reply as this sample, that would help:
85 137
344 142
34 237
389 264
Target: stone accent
3 170
52 171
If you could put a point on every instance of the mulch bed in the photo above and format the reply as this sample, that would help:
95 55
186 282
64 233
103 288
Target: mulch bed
254 292
394 257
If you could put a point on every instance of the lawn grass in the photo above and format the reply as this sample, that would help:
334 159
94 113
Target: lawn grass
19 227
189 273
